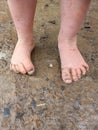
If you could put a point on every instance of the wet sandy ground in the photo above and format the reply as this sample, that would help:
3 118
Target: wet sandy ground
43 101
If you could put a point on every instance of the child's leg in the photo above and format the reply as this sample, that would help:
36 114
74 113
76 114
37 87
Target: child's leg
22 12
72 62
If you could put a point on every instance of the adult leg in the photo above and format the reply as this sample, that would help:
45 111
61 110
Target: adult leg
22 12
72 16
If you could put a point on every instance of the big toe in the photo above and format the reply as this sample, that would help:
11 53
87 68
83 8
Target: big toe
66 75
31 71
26 68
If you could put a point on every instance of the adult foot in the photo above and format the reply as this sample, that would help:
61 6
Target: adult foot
21 58
72 63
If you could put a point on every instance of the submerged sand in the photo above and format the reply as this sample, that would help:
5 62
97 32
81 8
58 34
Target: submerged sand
43 101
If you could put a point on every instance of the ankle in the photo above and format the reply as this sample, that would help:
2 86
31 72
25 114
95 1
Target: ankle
67 41
64 37
28 41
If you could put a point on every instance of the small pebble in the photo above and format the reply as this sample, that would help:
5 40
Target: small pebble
62 88
52 21
46 5
51 65
39 105
44 37
41 112
6 112
47 79
34 104
19 115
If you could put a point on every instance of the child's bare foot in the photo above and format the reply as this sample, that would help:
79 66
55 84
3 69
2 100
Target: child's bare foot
72 63
21 59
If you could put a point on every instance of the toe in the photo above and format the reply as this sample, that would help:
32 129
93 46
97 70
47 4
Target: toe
21 68
83 69
31 71
13 67
66 75
78 72
68 81
74 75
17 68
86 66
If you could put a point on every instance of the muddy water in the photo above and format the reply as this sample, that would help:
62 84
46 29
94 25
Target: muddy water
43 101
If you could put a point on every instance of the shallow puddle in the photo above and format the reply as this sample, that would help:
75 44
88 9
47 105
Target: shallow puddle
43 101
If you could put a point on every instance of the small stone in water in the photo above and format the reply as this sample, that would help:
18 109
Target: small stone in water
62 88
19 115
6 112
34 104
41 112
51 65
41 105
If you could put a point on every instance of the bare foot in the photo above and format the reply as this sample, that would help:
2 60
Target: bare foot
72 63
21 59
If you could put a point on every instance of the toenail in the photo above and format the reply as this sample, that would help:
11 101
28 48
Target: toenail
30 72
68 81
